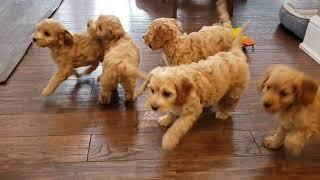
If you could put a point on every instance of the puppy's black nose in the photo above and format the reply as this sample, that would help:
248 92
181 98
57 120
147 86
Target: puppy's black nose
34 39
267 104
154 107
150 46
143 37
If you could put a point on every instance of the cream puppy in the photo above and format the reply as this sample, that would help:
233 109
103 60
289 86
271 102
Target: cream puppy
180 48
69 51
295 98
121 57
183 91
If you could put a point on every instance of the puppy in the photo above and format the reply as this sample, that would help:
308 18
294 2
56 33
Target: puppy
294 97
121 57
179 48
69 51
182 91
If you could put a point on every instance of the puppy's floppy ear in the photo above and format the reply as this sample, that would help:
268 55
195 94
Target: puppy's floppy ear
118 33
165 31
65 38
264 78
183 89
307 91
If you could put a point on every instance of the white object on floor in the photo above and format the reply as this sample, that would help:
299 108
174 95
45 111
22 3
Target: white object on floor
311 42
302 8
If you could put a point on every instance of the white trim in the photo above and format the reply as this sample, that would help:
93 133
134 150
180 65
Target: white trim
311 42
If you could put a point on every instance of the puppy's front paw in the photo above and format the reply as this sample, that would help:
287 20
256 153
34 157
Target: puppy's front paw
272 142
165 121
104 99
222 115
46 92
169 142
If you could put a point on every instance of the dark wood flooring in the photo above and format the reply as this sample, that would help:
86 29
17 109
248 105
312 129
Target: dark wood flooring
70 136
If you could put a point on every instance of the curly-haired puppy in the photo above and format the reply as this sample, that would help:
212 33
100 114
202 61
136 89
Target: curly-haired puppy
295 98
180 48
121 57
69 51
182 91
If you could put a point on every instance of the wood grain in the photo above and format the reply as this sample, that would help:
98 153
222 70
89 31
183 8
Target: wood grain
69 135
44 149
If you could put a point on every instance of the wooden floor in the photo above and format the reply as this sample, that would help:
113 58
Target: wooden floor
70 136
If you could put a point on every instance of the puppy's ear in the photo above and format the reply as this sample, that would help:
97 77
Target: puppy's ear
264 78
118 33
65 38
307 91
183 89
166 32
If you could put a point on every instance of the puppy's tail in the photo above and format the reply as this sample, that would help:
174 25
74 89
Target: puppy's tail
131 71
236 44
223 13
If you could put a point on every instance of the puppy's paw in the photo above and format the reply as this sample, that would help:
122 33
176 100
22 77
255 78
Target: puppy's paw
293 146
165 121
222 115
104 99
272 142
169 142
46 92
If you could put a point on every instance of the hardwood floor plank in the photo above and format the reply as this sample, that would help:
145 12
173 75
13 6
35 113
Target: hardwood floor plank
197 143
44 149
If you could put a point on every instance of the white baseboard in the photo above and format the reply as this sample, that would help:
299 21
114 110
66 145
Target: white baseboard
311 42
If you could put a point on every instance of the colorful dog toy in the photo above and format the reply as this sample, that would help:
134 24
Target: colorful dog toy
246 41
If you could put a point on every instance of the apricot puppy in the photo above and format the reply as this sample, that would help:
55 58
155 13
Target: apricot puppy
181 48
183 91
121 57
69 51
294 97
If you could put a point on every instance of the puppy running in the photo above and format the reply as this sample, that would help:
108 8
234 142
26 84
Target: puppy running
295 98
182 91
69 51
121 57
179 48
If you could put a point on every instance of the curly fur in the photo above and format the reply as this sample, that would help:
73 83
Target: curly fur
182 91
295 98
180 48
69 51
121 57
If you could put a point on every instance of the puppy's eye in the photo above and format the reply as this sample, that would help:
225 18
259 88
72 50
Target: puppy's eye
88 25
166 94
283 93
46 33
99 27
268 87
152 91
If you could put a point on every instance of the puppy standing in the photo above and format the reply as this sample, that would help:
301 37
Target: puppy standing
184 90
69 51
179 48
295 98
121 57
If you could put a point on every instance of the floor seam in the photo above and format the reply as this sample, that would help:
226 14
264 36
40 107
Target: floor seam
254 140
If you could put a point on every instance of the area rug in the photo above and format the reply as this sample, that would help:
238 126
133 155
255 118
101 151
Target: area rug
17 23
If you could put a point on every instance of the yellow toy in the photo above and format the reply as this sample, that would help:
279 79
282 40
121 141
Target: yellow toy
246 41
